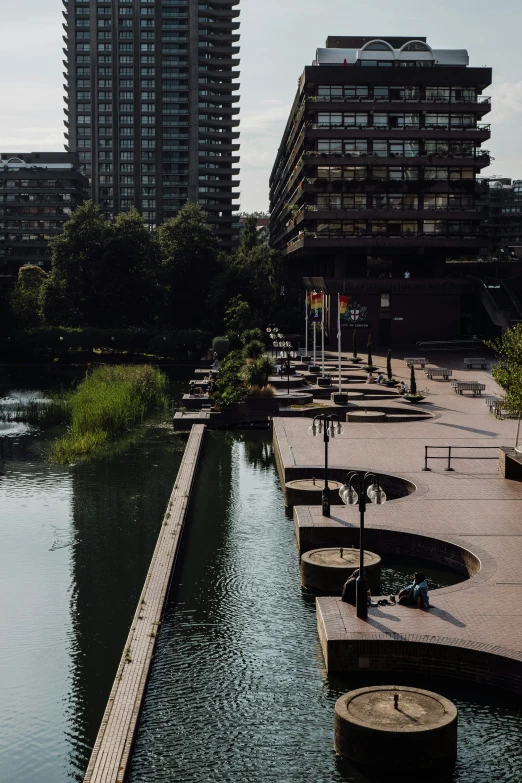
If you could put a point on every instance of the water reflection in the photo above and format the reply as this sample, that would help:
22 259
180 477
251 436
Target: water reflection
75 546
238 690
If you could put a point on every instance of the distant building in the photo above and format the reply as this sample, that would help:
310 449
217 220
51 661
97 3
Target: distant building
153 105
38 191
504 225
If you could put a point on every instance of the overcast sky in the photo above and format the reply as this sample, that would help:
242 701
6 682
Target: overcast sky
279 37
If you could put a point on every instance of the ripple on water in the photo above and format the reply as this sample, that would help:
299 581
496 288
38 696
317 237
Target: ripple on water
238 690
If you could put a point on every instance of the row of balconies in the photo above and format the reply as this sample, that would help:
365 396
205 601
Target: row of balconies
311 241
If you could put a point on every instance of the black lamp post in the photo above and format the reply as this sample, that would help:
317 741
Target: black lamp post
286 362
329 426
368 488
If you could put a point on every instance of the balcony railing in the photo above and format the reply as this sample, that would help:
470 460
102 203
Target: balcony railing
369 235
481 126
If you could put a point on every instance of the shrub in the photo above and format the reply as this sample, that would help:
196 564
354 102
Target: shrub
230 387
253 350
261 391
221 346
257 372
252 334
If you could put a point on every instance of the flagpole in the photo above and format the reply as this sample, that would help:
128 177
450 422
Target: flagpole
315 340
306 321
322 330
339 337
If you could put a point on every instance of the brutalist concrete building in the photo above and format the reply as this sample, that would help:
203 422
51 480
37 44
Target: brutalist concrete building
375 188
38 192
152 105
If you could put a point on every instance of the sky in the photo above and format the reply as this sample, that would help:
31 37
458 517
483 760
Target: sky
278 38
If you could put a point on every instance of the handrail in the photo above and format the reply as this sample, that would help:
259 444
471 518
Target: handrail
450 456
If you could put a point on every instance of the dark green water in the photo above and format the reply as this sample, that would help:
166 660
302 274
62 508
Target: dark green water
238 690
75 545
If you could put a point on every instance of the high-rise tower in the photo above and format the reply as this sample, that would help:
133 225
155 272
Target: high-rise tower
152 104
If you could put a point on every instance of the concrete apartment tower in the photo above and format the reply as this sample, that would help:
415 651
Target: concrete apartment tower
152 105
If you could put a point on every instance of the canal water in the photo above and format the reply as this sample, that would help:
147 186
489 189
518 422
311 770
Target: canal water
75 545
238 691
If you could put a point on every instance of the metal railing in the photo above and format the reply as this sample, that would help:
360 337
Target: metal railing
449 457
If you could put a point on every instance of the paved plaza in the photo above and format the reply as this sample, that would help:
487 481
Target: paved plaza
474 629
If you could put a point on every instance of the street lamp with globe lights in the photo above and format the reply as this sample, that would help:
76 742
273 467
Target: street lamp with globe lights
286 361
329 426
357 491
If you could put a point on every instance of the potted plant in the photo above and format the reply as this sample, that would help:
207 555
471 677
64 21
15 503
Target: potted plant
413 395
390 380
355 359
370 367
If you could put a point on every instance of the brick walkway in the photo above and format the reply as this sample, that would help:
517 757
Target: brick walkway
111 752
474 629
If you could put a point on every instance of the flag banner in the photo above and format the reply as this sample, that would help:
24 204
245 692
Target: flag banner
316 311
343 308
308 304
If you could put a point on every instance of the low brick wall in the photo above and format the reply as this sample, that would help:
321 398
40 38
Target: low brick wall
510 464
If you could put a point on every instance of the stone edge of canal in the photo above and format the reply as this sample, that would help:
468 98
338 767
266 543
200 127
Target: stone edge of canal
111 753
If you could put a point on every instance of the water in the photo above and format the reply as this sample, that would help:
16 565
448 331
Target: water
75 545
239 691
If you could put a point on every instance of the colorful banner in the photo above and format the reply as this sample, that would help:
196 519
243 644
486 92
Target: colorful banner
316 312
343 307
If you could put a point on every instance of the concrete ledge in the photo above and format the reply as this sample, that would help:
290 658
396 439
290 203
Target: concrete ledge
111 753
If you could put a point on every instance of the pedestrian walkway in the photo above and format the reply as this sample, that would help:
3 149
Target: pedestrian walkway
470 519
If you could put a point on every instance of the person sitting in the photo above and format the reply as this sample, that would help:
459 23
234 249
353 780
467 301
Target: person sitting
349 594
379 378
370 378
197 391
416 594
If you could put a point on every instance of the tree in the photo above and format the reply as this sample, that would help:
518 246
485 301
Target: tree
354 344
249 236
26 296
388 365
508 372
190 264
103 274
69 296
127 281
370 357
238 318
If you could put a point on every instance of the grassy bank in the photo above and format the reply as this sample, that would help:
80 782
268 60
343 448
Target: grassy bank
108 402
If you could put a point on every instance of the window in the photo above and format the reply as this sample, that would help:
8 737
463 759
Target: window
438 94
338 119
385 301
330 92
437 121
377 46
376 63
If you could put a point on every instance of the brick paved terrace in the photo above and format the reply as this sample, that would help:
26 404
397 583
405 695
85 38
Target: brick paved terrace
469 519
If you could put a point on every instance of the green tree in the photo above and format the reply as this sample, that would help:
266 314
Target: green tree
27 296
190 264
508 371
369 346
354 344
238 318
249 236
103 274
69 296
388 365
413 380
127 281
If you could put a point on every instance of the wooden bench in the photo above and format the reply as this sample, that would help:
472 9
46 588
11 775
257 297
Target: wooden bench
420 360
478 361
474 386
492 402
438 372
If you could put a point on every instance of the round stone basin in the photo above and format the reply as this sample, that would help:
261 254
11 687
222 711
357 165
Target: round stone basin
365 416
328 569
303 492
403 723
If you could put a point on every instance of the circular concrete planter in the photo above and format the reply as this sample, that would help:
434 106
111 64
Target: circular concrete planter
294 398
303 492
326 570
420 733
368 417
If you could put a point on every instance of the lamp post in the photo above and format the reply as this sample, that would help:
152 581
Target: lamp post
329 427
286 362
368 488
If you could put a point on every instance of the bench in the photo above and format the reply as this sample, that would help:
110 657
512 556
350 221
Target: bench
492 402
478 361
474 386
420 360
438 372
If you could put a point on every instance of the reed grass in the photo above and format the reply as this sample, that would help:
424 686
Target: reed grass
40 413
109 401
